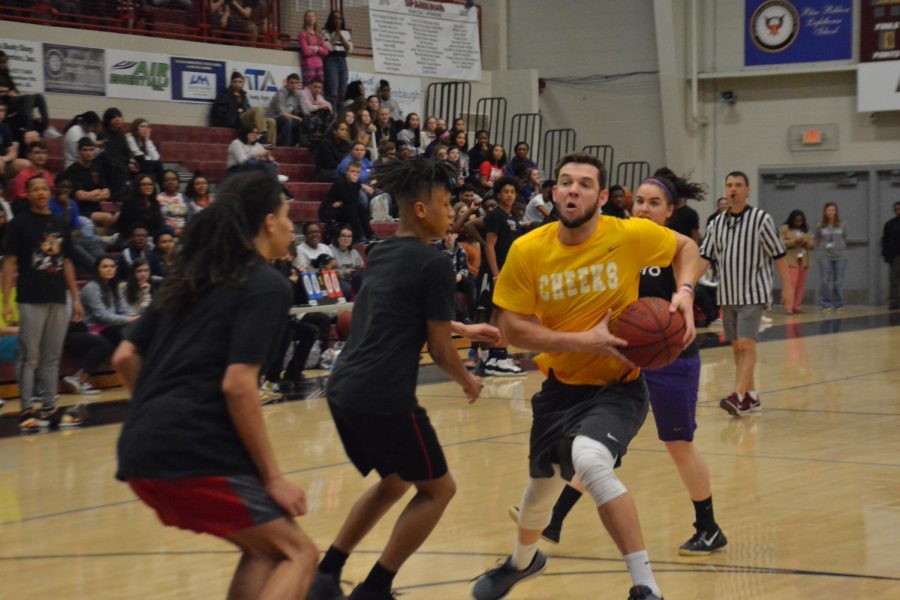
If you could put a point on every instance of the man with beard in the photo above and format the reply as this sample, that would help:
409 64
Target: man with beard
561 287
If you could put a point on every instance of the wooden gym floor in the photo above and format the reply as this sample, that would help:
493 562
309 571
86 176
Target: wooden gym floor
808 492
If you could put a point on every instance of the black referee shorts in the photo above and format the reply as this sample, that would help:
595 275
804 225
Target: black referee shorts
611 414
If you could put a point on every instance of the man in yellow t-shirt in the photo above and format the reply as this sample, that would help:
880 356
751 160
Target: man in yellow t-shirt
562 287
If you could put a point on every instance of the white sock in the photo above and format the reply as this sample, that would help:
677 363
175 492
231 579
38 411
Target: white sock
638 564
523 555
753 394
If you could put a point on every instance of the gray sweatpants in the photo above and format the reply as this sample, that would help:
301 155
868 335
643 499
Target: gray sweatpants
42 333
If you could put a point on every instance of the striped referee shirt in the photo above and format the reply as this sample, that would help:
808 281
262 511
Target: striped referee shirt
744 246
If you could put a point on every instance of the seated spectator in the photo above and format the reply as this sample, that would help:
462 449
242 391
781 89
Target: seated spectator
387 152
90 350
312 49
245 153
138 250
412 135
454 158
532 184
363 130
197 194
140 207
86 246
520 163
440 153
492 168
478 153
615 206
342 205
331 151
384 97
232 109
88 183
105 311
355 96
138 289
385 129
164 250
171 203
318 112
37 157
337 41
21 107
459 140
310 248
86 124
404 152
234 16
429 130
9 149
460 260
349 262
143 150
357 154
116 155
539 206
287 111
348 117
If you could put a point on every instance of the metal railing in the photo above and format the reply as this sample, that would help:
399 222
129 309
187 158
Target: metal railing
605 153
557 143
528 128
448 100
632 173
490 114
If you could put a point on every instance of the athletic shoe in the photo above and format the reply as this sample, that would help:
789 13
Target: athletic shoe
551 533
501 367
497 583
748 404
766 319
361 593
28 422
58 418
80 387
704 542
325 587
283 178
89 390
642 592
269 393
733 405
2 402
51 133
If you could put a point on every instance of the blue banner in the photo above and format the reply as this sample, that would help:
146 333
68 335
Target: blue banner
797 31
197 79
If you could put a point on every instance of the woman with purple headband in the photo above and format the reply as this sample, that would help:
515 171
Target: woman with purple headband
673 394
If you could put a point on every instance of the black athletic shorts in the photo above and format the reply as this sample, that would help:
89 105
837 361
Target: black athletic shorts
402 443
611 414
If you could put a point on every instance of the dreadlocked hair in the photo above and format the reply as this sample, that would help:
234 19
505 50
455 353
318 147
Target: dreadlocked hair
689 190
407 180
218 244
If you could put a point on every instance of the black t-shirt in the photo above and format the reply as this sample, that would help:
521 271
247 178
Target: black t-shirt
507 229
178 424
407 284
684 220
85 179
40 243
6 139
659 282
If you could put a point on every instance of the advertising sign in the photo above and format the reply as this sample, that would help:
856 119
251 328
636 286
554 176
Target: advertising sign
74 70
139 75
260 81
197 79
25 65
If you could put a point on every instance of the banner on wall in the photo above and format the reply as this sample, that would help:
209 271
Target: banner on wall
261 82
74 70
879 25
407 91
428 39
139 75
25 65
878 86
797 31
197 79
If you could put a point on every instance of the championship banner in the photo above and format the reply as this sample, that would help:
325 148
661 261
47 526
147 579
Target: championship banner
797 31
407 91
197 79
26 65
138 75
879 23
261 82
428 39
74 70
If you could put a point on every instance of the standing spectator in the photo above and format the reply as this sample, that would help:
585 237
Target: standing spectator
246 153
105 310
721 207
412 135
312 49
337 41
171 203
831 241
22 106
317 110
143 150
116 154
520 163
88 183
9 148
492 168
232 109
385 129
350 263
745 243
890 250
235 16
798 242
38 247
197 194
137 290
385 100
311 247
140 207
286 109
37 156
86 124
331 151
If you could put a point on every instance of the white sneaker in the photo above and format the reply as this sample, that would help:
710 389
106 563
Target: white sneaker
89 390
501 367
51 133
283 178
74 383
766 319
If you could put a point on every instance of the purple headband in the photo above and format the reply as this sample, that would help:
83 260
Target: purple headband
659 183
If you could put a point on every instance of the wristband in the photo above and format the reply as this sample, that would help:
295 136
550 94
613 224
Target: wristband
688 287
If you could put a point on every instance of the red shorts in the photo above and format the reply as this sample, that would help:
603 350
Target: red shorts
219 506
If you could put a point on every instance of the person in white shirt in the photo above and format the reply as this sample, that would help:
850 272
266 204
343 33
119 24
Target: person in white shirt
143 150
311 248
337 40
84 125
538 207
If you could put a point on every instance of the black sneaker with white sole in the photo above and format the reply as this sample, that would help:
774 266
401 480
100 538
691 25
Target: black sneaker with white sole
642 592
704 542
497 583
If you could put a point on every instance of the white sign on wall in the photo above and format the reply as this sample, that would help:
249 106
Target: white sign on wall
407 91
138 75
261 82
878 86
26 65
428 39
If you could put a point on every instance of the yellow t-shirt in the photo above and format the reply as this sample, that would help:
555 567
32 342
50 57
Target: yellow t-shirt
570 288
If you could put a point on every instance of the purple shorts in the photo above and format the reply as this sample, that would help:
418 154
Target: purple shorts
673 396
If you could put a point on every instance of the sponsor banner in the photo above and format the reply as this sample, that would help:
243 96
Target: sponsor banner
139 75
879 26
796 31
74 70
424 38
197 79
261 82
25 65
878 86
407 91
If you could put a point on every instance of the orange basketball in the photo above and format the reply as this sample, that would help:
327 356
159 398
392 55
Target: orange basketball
343 324
654 335
629 199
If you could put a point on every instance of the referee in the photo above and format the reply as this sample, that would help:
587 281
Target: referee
744 242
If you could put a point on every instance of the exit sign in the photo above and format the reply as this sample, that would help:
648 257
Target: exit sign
812 136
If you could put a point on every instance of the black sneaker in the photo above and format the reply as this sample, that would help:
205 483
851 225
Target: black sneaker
28 422
642 592
325 587
704 542
497 583
361 593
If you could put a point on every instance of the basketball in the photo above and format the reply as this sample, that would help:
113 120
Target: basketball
654 335
343 324
629 199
